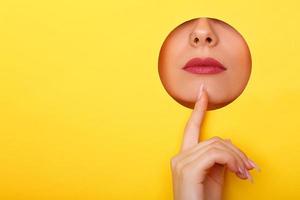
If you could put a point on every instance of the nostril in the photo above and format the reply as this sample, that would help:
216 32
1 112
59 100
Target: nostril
196 40
208 39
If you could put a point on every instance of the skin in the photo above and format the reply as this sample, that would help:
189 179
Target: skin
204 37
198 169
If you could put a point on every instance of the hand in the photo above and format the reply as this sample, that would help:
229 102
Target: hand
198 169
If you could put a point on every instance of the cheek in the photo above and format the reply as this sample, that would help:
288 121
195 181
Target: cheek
236 53
240 69
170 60
173 80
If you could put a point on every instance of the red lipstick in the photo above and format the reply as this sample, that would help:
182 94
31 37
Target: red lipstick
204 66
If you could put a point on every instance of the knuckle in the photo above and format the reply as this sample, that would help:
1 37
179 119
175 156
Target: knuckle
178 168
173 161
217 142
213 150
216 138
238 150
242 154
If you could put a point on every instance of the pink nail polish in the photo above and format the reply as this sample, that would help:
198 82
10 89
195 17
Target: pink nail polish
253 164
242 171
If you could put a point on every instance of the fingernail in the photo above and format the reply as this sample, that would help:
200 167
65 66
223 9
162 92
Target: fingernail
200 91
242 171
249 177
253 164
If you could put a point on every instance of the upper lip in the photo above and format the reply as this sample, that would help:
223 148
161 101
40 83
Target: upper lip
202 62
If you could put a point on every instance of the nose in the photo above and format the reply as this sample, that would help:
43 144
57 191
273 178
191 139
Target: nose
203 34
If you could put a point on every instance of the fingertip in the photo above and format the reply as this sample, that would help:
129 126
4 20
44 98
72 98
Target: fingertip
204 99
254 165
241 173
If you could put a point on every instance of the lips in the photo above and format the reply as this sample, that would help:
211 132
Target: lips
206 65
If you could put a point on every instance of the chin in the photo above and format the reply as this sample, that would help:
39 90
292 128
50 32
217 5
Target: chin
213 102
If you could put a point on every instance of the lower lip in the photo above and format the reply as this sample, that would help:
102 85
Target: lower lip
204 69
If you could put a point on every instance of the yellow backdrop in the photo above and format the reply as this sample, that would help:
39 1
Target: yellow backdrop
85 116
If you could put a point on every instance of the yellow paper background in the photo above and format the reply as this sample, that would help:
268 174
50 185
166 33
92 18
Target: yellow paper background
85 116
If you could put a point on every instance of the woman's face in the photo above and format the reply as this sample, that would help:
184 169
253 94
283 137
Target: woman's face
208 51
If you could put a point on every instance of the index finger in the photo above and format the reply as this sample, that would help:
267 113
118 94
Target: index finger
192 129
